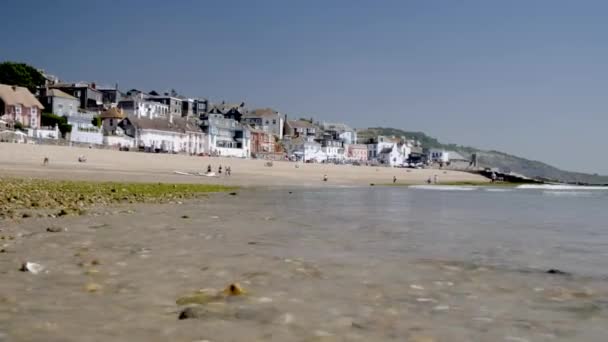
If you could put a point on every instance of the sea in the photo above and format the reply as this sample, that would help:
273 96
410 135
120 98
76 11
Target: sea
455 263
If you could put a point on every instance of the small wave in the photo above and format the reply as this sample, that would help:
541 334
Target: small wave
443 187
560 187
569 193
497 190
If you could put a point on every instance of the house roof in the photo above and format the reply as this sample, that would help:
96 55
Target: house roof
180 125
13 95
59 93
300 124
112 113
262 112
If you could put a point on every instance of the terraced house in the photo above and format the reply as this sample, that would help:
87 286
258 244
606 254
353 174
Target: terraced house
19 105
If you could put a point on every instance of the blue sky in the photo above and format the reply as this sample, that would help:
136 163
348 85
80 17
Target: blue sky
525 77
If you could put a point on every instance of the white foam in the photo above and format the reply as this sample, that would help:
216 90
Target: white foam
497 190
443 187
560 187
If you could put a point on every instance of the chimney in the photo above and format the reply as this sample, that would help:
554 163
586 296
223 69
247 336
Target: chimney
93 85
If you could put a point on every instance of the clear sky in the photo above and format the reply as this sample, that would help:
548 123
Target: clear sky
521 76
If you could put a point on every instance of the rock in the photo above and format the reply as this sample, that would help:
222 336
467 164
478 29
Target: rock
232 194
55 229
31 267
556 271
185 216
92 287
62 212
234 289
206 312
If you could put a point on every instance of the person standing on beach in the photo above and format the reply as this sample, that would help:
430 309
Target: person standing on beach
209 168
219 170
228 170
394 179
325 178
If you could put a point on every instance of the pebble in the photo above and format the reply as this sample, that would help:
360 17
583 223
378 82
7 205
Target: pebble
425 300
322 333
92 287
416 287
287 318
265 300
441 308
516 339
31 267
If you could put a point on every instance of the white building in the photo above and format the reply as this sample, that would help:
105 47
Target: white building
341 131
178 135
333 150
138 107
389 151
395 155
439 156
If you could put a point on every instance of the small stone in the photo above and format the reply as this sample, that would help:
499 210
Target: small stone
232 194
234 289
92 287
55 229
425 300
31 267
185 216
265 300
441 308
557 272
95 262
287 318
416 287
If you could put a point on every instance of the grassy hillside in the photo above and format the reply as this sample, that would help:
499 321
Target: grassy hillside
504 161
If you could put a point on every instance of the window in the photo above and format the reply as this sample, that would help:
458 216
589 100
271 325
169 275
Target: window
34 111
18 110
274 121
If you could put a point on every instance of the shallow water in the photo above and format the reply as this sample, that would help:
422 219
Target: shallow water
367 264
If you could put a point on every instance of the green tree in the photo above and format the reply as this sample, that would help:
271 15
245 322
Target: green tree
21 74
96 121
52 120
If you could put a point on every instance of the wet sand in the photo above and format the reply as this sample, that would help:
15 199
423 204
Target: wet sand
108 165
116 273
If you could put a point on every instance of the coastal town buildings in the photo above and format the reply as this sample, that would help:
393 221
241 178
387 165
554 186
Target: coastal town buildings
90 98
19 105
266 119
300 128
225 136
172 102
59 102
138 106
262 142
438 156
340 131
356 152
173 135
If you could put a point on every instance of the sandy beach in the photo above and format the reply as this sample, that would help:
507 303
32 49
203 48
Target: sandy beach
109 165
